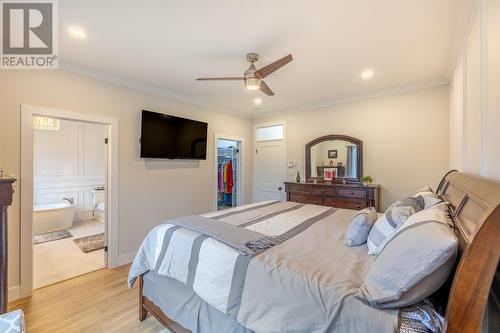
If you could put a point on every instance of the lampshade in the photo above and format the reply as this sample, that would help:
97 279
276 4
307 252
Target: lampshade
252 83
45 123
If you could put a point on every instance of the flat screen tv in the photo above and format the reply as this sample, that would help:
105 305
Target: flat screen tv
164 136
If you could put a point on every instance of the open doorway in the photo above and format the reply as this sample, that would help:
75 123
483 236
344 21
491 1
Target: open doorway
228 173
41 186
69 211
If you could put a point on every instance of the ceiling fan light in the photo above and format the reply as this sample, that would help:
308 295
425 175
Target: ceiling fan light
252 83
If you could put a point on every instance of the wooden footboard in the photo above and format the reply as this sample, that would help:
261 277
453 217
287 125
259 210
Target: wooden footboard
146 306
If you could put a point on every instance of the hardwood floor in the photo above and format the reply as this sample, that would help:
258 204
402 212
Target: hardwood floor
95 302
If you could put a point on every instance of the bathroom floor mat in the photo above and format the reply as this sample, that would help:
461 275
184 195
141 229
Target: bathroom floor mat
90 243
51 236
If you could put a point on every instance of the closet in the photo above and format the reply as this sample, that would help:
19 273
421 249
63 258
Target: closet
227 174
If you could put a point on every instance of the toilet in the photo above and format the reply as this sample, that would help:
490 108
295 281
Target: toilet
99 199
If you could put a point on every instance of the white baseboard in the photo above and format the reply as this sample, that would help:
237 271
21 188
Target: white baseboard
126 258
14 293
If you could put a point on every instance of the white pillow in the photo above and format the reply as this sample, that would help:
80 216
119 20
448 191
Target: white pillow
425 191
360 226
414 263
393 217
430 197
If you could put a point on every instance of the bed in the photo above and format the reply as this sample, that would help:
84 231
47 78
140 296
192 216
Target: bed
308 282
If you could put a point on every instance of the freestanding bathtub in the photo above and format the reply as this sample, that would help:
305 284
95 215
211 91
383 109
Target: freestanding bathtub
52 217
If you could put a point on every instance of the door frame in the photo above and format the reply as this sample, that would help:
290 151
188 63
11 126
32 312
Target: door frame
284 168
240 198
27 185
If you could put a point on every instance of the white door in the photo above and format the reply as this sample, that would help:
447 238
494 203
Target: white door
269 171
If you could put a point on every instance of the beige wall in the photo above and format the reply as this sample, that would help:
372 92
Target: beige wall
149 191
405 145
405 138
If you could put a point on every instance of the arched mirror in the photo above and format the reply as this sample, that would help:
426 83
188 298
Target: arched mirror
334 158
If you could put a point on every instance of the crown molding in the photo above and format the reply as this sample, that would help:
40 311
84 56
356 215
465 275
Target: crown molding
114 79
455 55
357 98
118 80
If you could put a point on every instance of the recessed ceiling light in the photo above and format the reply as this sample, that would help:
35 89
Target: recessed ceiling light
367 74
77 32
257 101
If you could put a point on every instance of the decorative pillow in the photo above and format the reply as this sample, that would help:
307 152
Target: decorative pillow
360 226
430 197
425 191
393 217
421 318
414 263
417 202
12 322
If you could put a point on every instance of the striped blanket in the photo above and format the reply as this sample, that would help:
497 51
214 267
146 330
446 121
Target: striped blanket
215 265
266 288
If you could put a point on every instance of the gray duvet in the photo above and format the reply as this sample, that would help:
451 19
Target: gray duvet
305 284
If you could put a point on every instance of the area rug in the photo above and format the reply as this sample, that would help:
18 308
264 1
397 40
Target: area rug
90 243
51 236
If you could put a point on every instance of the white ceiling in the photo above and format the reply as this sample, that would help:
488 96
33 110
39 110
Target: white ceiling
165 45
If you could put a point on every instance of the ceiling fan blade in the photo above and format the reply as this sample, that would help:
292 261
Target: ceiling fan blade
271 68
265 88
220 79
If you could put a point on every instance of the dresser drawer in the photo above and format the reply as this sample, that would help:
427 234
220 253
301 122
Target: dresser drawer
324 190
296 188
306 199
345 203
352 193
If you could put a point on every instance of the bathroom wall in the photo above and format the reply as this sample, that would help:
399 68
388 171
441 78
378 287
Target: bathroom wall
70 163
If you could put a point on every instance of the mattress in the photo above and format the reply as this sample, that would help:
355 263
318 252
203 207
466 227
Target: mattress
306 283
182 304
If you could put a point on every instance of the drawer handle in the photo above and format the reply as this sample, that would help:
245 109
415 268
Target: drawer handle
323 191
316 202
352 193
333 203
358 206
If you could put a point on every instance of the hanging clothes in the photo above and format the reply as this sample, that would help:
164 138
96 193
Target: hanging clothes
229 177
226 196
220 176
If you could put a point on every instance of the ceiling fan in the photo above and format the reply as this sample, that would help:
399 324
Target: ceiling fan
253 77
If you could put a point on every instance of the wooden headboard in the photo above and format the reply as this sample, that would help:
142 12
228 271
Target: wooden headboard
475 210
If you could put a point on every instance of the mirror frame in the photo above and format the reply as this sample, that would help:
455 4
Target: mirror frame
331 137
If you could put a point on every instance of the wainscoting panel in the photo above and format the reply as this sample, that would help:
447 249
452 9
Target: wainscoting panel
70 163
474 97
56 152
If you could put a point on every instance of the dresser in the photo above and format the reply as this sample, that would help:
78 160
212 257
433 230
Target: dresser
348 196
6 191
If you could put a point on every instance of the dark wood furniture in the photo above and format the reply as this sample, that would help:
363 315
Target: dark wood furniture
6 191
348 196
475 212
332 137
